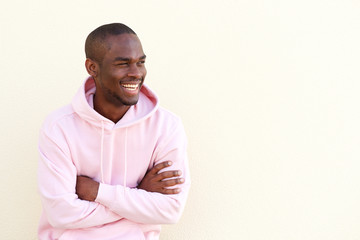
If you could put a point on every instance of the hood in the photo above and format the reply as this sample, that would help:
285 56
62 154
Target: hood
83 105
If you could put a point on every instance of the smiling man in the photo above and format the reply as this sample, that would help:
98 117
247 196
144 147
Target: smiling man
113 164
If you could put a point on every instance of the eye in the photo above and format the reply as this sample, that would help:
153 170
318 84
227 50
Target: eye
121 64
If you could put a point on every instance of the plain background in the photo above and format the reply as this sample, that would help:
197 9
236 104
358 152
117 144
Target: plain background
268 92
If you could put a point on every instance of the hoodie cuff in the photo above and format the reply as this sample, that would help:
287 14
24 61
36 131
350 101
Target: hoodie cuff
109 194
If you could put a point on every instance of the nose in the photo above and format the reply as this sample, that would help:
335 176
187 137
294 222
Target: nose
135 71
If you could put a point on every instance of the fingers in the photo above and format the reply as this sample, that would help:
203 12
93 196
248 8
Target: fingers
163 182
160 166
171 191
170 183
173 182
167 174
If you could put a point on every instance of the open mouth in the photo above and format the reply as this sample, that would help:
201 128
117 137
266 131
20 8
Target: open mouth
130 86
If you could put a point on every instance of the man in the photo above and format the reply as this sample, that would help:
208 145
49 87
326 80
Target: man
113 164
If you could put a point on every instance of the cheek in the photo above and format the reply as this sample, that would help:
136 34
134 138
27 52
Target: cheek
144 72
114 75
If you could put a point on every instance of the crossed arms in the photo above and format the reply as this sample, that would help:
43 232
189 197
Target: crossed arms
70 201
154 181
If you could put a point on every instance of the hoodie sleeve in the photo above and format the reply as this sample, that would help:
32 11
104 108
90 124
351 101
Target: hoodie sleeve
150 207
56 185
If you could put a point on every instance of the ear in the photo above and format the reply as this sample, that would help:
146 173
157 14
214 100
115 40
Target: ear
92 67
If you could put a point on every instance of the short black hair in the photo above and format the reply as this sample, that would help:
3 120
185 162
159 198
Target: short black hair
95 42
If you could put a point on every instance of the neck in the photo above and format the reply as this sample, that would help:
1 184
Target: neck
110 111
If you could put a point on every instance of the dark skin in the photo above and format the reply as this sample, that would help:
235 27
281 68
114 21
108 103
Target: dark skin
87 188
123 63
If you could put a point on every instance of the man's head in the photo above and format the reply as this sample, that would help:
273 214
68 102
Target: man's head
116 61
95 44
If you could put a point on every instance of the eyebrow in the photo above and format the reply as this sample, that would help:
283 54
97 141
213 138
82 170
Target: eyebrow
127 59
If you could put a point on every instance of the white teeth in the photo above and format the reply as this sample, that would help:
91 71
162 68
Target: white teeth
130 86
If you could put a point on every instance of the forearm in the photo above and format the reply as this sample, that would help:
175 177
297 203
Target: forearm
63 208
153 207
76 213
141 206
155 203
56 184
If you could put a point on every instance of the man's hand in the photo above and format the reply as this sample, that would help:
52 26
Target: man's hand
156 182
86 188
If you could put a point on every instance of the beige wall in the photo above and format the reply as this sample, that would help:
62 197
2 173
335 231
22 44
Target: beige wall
268 92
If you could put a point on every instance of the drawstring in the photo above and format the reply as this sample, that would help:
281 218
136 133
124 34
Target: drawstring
111 160
125 162
102 152
112 153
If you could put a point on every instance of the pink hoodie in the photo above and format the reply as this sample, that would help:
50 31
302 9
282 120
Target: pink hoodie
76 140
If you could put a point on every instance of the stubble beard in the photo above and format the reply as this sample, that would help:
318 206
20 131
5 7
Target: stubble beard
115 99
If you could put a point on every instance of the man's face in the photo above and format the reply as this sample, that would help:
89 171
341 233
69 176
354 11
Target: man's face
122 71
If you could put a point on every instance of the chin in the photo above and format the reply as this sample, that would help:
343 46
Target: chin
130 102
